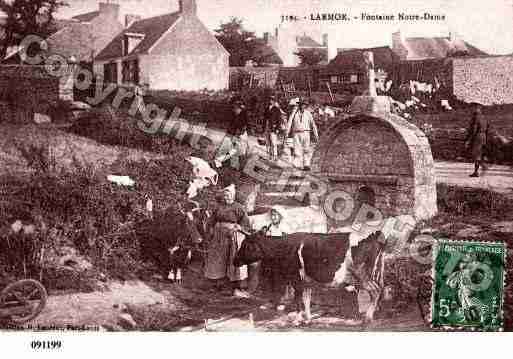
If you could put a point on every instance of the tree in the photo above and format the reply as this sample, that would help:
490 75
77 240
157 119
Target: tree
309 57
26 17
239 42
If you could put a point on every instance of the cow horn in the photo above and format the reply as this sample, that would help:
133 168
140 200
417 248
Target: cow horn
197 208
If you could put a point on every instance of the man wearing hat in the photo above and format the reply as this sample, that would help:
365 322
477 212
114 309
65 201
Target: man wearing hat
477 139
273 126
302 126
239 126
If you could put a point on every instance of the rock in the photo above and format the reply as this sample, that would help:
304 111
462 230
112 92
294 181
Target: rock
75 262
40 118
503 227
428 230
469 231
126 321
113 328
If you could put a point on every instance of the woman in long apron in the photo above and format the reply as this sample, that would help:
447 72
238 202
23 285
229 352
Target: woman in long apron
228 220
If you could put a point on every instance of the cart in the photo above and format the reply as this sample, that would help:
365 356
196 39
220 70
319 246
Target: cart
22 301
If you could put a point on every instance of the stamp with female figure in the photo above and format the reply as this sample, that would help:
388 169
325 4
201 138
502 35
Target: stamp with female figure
468 289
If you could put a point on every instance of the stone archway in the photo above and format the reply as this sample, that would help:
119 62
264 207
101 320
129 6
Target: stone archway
376 149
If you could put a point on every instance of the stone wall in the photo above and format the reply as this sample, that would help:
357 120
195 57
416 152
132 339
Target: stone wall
487 80
188 57
25 90
375 149
368 152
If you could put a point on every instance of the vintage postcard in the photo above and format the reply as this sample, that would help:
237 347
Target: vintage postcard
273 166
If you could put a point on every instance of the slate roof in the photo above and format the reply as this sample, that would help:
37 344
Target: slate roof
437 47
307 41
87 17
384 58
152 28
76 39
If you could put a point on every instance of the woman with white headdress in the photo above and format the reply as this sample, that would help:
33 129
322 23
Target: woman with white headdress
228 220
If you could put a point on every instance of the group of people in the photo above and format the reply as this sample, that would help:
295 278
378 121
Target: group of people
229 224
281 130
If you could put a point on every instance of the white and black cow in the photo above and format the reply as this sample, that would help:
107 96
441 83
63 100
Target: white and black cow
319 257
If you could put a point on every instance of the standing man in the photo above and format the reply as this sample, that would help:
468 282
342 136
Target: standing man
239 128
273 127
477 138
302 125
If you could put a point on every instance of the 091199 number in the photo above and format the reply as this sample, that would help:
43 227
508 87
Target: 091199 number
46 345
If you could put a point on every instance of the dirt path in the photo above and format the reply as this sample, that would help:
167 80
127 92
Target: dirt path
496 178
194 306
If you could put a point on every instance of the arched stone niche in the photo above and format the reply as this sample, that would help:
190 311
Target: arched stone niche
384 154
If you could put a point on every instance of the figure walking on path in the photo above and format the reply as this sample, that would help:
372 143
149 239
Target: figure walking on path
273 127
477 139
302 125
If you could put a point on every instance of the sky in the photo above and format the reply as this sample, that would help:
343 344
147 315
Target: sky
487 25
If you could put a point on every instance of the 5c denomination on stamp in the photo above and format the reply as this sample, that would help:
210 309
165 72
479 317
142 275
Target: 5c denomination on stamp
468 287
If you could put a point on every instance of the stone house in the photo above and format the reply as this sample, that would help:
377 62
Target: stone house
83 36
173 51
345 72
286 43
422 48
464 72
483 79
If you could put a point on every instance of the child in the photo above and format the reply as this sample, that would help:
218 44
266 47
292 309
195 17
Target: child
275 228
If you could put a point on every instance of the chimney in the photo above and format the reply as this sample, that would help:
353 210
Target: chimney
130 19
266 38
109 9
398 45
453 36
325 40
187 7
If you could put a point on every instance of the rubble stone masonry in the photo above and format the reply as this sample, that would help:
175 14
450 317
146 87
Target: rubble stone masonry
487 80
25 90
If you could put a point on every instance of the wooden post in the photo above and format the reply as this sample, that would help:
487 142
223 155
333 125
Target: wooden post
309 86
251 81
329 90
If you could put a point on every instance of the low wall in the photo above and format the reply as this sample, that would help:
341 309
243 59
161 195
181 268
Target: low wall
486 80
25 90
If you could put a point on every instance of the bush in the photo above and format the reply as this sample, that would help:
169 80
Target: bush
467 202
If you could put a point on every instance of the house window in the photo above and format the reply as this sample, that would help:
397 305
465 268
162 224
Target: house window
353 79
130 42
110 72
131 71
334 79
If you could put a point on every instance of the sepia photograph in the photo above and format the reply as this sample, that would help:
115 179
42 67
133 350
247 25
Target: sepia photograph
195 166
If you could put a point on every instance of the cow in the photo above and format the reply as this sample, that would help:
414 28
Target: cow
320 257
169 238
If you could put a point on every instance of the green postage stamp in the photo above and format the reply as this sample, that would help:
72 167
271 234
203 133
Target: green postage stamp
468 287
